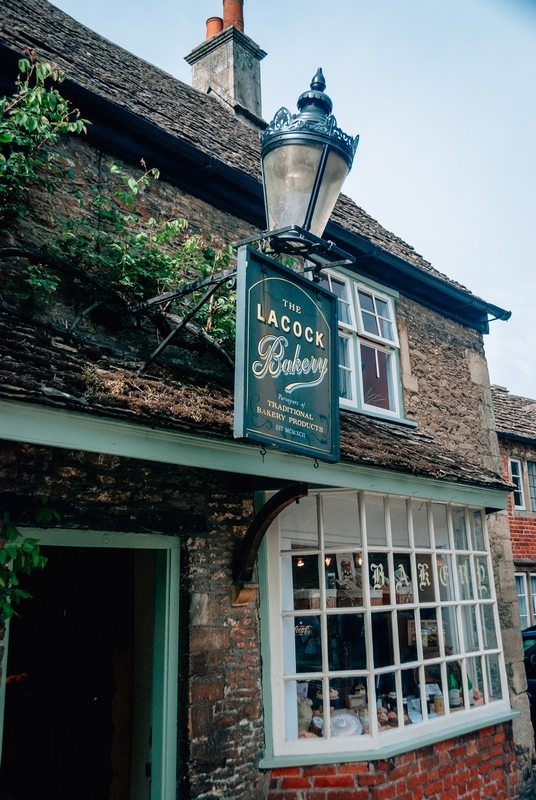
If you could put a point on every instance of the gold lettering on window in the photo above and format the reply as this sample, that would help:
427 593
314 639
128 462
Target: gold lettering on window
444 575
424 577
378 575
402 578
464 573
482 580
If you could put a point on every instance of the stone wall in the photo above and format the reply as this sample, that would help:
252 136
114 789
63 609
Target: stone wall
446 384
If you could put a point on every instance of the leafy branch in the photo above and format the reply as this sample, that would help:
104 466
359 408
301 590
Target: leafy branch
31 122
19 556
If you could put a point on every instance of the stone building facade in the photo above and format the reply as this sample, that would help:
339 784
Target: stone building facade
516 427
195 698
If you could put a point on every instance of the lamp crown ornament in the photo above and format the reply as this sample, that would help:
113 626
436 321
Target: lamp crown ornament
315 118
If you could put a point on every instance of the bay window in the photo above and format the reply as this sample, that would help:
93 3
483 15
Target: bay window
368 347
382 623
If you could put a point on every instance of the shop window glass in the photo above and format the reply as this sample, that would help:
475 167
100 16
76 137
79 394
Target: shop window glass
374 637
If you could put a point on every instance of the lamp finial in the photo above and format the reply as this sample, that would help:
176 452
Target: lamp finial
318 84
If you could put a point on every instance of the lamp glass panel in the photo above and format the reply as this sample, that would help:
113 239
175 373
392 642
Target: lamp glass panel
332 181
289 177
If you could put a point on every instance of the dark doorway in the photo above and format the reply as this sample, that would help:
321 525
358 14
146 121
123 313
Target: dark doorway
70 694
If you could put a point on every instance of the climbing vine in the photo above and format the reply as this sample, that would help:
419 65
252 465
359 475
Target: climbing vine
111 238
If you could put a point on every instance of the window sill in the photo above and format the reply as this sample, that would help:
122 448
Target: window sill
382 417
428 734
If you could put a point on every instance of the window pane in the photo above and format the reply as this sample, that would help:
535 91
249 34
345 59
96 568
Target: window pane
299 525
294 720
305 651
411 696
446 578
343 575
345 384
370 323
475 683
300 583
386 330
454 685
382 308
382 638
477 530
450 631
494 677
406 636
515 470
346 642
379 579
399 521
375 519
425 578
465 582
488 627
531 469
387 702
421 530
339 288
366 302
533 593
470 635
441 530
376 371
340 513
430 633
459 529
403 578
348 707
522 601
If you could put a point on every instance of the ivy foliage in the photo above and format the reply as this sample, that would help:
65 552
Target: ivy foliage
111 237
145 257
19 555
31 123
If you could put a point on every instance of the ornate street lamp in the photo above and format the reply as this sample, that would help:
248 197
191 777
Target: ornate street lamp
305 160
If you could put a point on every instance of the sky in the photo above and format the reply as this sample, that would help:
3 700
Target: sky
442 94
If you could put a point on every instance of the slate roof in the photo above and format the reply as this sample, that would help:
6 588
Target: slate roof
48 366
117 75
515 417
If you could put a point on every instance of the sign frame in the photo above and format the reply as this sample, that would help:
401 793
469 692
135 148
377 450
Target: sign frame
279 338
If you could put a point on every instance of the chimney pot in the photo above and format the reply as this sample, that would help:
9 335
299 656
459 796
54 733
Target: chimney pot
233 14
214 26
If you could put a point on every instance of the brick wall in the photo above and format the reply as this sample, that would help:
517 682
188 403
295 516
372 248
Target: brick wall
470 767
522 523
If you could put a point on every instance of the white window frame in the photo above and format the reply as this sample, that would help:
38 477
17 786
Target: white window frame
529 495
518 481
360 327
522 598
328 750
355 332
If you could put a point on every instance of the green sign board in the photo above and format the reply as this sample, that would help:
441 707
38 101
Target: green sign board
286 378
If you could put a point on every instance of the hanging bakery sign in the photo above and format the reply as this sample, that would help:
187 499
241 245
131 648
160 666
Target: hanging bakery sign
286 378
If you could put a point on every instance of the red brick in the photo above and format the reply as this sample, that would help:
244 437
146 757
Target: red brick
295 783
321 769
351 794
384 792
329 781
372 779
353 769
399 772
449 794
417 780
431 788
461 777
284 796
283 771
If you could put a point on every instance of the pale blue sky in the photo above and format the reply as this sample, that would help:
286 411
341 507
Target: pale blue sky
442 93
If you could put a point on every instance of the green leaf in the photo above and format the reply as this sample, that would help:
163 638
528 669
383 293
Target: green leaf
133 185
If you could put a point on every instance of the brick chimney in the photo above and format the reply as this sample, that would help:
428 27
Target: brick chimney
227 65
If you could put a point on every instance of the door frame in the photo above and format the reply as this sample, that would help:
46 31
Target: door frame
164 691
